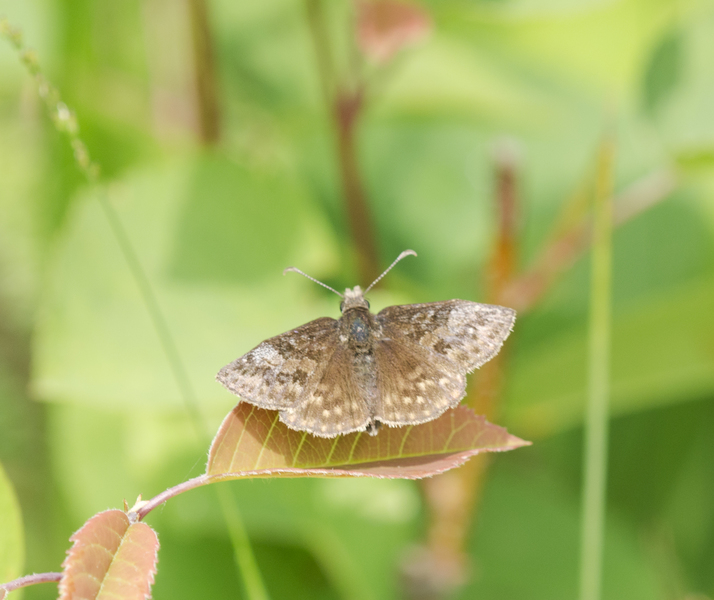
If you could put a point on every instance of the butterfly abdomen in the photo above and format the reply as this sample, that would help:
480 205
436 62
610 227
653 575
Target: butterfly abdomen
358 331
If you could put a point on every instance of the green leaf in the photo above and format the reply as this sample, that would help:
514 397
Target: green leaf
96 344
355 529
148 451
679 83
664 71
237 225
593 50
446 77
525 544
546 386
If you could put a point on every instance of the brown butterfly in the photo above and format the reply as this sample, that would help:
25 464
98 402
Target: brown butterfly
403 366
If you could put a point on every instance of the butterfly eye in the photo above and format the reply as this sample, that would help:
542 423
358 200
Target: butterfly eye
342 305
367 302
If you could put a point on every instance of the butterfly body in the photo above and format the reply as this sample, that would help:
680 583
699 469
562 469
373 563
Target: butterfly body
403 366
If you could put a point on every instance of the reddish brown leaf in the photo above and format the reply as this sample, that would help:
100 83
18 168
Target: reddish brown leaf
252 442
385 26
111 559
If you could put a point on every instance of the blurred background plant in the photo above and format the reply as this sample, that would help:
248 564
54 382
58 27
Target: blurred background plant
236 139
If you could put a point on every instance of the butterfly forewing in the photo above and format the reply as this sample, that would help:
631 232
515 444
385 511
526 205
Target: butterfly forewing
337 404
414 386
281 370
466 334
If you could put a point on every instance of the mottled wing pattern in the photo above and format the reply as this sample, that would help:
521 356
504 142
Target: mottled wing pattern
337 405
466 334
426 350
276 373
414 385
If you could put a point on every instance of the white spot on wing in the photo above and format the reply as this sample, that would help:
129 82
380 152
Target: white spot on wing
266 352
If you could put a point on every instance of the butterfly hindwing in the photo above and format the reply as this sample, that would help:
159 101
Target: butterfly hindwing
414 387
337 404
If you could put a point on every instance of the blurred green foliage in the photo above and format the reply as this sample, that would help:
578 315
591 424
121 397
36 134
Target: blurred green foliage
89 412
12 543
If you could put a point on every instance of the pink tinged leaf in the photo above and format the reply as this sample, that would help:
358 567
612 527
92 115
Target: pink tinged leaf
112 558
252 442
386 26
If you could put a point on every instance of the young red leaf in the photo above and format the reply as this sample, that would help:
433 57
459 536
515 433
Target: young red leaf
112 558
385 26
252 442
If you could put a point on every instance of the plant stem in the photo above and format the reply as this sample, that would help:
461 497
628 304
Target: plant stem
346 113
596 423
503 260
485 391
66 122
159 499
152 305
323 54
243 553
451 498
568 244
28 580
204 73
345 107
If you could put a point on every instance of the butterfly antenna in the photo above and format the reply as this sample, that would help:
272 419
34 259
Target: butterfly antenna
296 270
389 268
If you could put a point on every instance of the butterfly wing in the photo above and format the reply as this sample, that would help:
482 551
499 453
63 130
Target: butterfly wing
467 334
413 385
276 373
426 350
421 357
338 404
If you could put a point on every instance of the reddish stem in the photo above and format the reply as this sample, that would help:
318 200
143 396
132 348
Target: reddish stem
566 246
205 73
503 259
347 108
28 580
171 492
442 565
483 395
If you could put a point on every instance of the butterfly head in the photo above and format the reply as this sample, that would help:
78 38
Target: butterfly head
354 298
